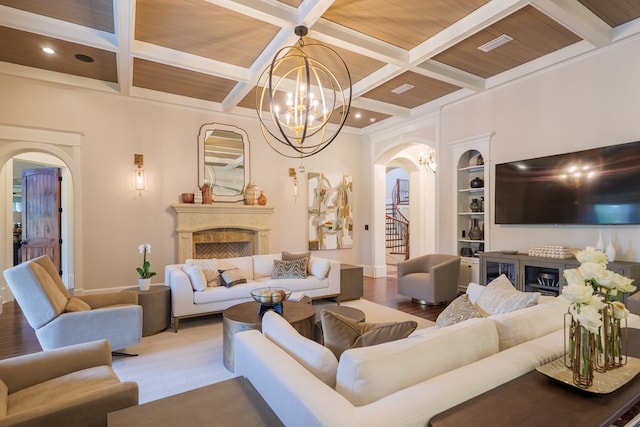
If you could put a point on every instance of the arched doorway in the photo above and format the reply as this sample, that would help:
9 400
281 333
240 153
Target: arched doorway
422 211
59 149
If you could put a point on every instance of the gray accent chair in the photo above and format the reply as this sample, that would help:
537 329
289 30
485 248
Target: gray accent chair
429 279
70 386
633 303
61 320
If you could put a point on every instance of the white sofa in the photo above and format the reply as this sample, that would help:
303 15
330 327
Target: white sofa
404 382
186 301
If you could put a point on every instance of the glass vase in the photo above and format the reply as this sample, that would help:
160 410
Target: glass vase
611 341
580 352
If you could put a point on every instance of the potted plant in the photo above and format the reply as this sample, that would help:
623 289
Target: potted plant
144 273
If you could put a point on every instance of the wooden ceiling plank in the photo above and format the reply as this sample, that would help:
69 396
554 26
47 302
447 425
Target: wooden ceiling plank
578 19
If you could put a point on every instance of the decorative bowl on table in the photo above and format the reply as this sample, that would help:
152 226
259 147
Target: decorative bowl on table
271 298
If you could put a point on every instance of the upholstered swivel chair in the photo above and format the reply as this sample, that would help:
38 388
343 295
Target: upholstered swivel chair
70 386
61 320
429 279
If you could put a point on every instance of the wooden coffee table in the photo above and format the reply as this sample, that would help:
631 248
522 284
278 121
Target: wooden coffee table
245 316
535 400
227 403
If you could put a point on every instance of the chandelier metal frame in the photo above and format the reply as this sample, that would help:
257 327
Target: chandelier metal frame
301 129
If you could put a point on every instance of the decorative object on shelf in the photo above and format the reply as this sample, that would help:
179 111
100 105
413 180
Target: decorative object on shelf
482 204
144 272
270 298
429 160
197 196
551 251
600 243
249 194
187 197
474 205
206 194
479 160
477 182
138 174
475 233
262 199
295 123
610 251
594 338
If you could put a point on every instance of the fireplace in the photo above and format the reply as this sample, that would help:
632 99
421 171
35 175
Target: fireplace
221 231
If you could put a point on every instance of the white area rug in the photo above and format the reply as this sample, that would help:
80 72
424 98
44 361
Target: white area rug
170 363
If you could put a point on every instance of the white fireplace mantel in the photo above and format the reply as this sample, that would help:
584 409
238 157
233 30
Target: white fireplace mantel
192 218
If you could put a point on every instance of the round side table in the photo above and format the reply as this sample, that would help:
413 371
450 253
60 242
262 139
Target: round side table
156 308
245 316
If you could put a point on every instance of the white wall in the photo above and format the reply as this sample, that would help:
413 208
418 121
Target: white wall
588 103
115 219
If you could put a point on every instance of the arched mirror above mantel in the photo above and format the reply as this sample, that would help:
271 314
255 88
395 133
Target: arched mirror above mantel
223 161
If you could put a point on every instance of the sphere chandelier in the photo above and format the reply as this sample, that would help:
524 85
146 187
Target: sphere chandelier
297 96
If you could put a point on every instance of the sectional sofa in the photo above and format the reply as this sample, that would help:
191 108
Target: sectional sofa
196 288
400 383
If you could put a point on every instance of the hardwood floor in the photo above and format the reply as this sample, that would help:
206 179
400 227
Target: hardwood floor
17 337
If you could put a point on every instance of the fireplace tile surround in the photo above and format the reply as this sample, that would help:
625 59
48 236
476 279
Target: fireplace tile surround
220 229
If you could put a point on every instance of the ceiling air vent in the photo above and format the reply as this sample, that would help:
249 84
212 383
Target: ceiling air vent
402 88
497 42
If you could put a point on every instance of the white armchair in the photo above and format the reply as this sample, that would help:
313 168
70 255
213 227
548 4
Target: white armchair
61 320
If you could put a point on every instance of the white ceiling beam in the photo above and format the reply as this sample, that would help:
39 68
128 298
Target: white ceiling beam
451 75
381 107
479 19
38 24
188 61
577 18
124 13
627 30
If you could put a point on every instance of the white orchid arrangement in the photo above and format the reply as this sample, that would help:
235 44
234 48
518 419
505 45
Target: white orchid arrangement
591 286
143 271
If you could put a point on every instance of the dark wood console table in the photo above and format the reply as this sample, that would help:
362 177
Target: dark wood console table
535 400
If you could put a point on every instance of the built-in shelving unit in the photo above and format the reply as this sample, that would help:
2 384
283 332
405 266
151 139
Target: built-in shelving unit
471 157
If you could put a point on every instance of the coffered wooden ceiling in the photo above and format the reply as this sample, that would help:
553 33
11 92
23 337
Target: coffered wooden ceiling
209 54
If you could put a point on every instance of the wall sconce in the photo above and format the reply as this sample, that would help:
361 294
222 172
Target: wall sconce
138 173
295 184
429 160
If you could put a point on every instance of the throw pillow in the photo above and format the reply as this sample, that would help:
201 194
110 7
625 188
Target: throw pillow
197 277
341 333
289 269
474 291
76 304
319 267
501 297
232 277
460 309
210 269
318 359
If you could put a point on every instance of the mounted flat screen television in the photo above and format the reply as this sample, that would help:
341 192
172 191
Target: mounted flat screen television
596 186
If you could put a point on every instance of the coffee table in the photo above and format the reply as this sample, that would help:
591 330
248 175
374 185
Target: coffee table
535 400
227 403
245 316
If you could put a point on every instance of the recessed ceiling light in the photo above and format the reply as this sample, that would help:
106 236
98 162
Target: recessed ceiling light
402 88
82 57
358 115
497 42
48 50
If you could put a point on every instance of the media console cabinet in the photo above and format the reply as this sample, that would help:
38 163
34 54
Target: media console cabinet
545 275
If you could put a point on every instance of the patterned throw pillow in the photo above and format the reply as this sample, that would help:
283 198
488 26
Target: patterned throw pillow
232 277
460 309
500 296
289 269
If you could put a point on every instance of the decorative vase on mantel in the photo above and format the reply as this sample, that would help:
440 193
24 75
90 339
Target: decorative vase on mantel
144 284
262 199
249 194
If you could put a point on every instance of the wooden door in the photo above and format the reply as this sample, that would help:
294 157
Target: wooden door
41 212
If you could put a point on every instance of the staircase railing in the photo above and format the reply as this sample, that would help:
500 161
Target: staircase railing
396 224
